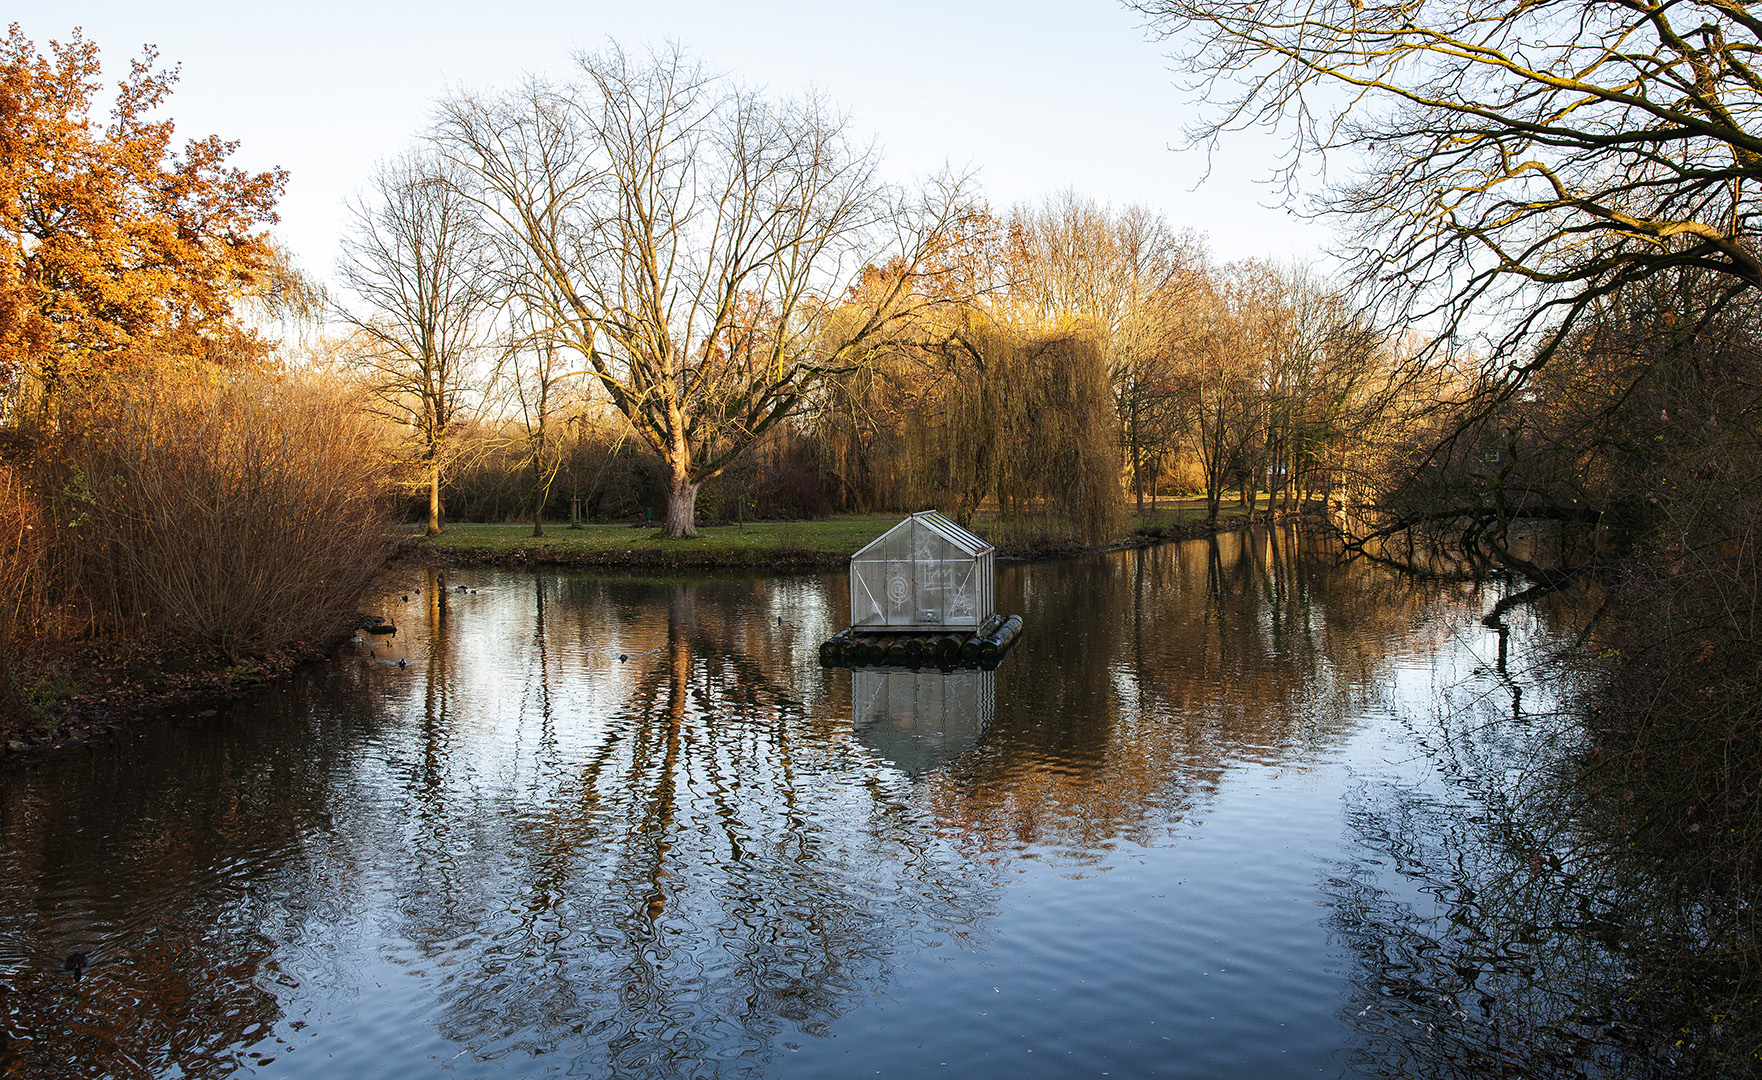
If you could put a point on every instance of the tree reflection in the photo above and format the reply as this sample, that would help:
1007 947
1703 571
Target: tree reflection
1238 649
677 883
180 892
1494 933
632 826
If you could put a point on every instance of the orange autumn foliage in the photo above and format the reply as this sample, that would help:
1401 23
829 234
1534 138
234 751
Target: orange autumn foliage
117 247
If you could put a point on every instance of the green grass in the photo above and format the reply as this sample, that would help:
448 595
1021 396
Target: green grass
1186 510
826 542
754 544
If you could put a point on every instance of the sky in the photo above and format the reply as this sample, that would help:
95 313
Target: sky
1035 97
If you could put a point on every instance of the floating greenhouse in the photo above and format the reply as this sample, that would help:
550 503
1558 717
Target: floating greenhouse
924 592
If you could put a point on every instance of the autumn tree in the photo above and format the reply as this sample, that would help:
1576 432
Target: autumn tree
419 270
117 246
984 409
691 241
1128 280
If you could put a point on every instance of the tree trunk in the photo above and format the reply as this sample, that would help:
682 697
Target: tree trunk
434 502
681 509
1137 475
540 493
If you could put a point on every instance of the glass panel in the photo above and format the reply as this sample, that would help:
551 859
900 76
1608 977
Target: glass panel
900 596
867 587
915 576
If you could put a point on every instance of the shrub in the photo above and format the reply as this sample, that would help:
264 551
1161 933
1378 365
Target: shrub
22 555
241 512
21 583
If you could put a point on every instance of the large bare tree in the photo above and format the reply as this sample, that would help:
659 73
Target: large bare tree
709 254
1514 161
416 265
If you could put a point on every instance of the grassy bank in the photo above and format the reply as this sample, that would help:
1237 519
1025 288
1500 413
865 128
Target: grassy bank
75 694
788 545
791 544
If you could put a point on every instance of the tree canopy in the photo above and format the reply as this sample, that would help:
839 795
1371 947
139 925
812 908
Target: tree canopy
688 240
116 245
1517 160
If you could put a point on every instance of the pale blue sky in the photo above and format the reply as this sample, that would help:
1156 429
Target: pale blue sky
1036 96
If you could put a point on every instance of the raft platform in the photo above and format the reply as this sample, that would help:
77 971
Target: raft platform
983 648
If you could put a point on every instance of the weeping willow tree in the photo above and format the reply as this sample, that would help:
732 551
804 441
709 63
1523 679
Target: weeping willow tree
1022 417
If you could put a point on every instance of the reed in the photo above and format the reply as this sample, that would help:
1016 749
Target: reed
22 558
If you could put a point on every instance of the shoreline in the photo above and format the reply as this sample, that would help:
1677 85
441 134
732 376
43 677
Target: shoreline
107 691
646 553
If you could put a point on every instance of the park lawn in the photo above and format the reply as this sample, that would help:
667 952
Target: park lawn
827 542
1188 510
799 544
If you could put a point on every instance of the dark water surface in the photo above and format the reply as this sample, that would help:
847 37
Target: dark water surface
1219 814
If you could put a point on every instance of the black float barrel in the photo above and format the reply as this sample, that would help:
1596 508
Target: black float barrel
998 641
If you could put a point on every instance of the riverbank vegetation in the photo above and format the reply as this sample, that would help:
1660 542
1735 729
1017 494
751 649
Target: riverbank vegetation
168 479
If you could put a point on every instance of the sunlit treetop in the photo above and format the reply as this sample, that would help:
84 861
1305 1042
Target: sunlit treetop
118 248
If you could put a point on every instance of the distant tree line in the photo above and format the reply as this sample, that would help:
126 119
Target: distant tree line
1057 364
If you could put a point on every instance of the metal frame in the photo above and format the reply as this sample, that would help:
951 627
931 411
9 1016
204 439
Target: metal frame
916 584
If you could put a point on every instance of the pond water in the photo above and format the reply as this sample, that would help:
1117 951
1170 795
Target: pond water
1224 812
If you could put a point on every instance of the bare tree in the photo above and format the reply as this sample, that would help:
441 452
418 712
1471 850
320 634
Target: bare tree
701 249
543 390
1126 277
416 264
1316 349
1520 160
1223 379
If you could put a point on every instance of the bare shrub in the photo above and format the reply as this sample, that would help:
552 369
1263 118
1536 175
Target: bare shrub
243 513
22 558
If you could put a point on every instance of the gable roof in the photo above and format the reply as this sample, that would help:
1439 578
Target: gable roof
938 525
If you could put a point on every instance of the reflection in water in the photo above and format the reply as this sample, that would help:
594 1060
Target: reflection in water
1513 945
919 720
179 889
654 884
623 827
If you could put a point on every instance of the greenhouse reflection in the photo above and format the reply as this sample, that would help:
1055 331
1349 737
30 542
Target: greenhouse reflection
921 720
